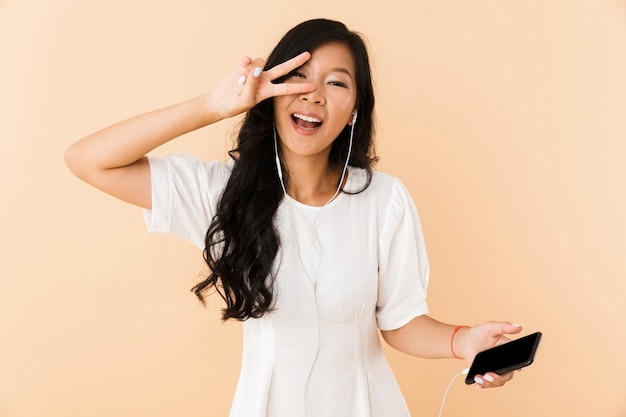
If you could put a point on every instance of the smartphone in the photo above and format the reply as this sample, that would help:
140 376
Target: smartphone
510 356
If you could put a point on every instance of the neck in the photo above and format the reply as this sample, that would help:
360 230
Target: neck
314 184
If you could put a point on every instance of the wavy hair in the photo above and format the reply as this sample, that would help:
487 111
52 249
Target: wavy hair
241 242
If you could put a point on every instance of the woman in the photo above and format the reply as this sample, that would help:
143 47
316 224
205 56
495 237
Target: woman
306 243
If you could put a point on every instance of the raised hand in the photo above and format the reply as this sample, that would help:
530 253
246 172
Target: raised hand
247 85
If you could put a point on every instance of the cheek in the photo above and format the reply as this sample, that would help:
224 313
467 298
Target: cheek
282 118
280 109
278 104
344 111
344 102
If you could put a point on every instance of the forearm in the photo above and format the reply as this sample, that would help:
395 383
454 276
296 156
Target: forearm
128 141
426 337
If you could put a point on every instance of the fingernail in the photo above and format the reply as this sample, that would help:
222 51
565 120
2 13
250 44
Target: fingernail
257 72
479 380
517 325
242 79
489 378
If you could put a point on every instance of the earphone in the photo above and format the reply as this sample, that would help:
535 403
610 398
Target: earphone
279 168
445 395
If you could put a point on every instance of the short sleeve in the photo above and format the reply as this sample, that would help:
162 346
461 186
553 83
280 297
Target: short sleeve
403 263
185 192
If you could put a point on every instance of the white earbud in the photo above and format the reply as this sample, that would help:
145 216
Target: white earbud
354 115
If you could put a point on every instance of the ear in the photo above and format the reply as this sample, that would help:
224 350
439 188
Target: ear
354 116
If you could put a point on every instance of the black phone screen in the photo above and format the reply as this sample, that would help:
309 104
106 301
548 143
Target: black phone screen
508 357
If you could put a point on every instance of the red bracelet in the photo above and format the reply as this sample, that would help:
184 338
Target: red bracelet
456 329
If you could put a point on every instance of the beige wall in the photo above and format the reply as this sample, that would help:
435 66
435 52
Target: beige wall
505 120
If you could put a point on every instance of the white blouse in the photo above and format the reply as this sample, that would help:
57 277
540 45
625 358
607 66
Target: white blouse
343 271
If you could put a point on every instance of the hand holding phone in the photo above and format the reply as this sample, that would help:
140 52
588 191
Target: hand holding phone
505 358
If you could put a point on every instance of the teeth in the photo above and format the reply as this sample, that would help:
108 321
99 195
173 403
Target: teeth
307 118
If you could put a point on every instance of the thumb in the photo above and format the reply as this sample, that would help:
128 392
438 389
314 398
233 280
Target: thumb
511 328
504 328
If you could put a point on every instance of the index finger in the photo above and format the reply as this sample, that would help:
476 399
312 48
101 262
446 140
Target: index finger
288 66
286 89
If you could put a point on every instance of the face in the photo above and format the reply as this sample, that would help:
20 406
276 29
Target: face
309 123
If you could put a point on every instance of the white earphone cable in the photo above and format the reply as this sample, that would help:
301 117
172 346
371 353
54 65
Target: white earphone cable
445 395
343 172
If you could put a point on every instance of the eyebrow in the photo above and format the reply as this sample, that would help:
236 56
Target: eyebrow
341 69
336 69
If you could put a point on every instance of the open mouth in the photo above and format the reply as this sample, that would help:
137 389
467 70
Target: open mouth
306 122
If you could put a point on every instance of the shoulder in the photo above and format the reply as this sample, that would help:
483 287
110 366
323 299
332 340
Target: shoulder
387 181
185 166
381 185
187 161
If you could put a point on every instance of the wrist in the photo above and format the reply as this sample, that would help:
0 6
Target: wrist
209 111
457 341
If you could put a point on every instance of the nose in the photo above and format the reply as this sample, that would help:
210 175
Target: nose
316 96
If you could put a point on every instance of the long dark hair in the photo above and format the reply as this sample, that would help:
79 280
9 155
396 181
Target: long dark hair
241 242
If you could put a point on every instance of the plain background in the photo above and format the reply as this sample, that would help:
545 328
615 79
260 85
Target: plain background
505 119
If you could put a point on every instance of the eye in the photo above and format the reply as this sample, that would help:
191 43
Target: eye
297 74
338 84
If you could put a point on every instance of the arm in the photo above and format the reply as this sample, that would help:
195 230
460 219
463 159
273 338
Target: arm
426 337
113 159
